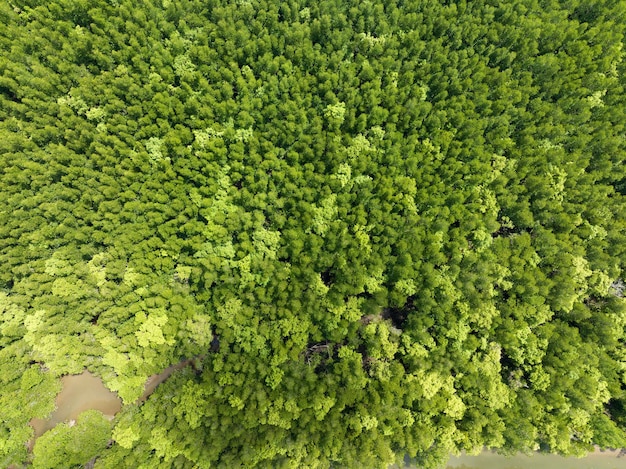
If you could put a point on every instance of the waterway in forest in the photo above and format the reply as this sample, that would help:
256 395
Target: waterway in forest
86 391
488 460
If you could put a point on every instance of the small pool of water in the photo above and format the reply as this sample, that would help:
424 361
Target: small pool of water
78 394
86 391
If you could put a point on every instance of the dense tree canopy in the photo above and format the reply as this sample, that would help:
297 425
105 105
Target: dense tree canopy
383 227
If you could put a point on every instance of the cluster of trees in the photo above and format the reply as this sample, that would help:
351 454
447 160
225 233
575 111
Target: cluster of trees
385 228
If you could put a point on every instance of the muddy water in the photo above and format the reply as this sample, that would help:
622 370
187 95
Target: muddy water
79 393
486 460
86 391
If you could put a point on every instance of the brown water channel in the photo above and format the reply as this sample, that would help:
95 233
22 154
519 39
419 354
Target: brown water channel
86 391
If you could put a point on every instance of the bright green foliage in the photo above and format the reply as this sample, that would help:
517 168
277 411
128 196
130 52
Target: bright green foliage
381 228
73 444
27 390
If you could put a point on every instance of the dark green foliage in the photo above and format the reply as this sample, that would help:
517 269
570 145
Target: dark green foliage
382 228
